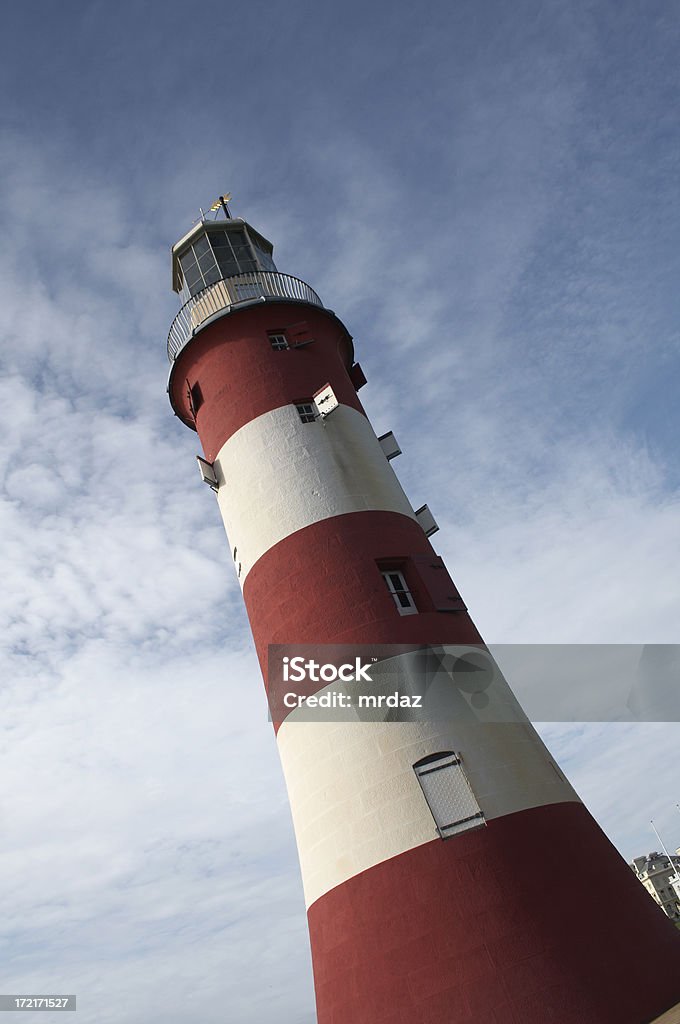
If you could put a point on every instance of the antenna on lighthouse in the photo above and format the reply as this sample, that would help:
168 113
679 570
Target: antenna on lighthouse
221 204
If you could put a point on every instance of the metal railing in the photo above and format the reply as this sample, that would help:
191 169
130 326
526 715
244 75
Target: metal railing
221 296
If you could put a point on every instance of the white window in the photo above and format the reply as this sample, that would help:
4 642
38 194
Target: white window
278 341
448 793
306 411
396 584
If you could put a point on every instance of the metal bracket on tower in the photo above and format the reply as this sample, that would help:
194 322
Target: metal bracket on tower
389 445
426 520
357 376
207 472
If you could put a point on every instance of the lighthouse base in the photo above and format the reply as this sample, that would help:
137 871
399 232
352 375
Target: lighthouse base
534 919
672 1017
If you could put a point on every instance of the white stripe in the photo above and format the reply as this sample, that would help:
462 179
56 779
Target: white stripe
278 475
355 798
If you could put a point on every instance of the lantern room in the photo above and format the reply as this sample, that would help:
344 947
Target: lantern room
215 250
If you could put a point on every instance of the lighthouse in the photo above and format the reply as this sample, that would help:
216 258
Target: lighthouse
451 873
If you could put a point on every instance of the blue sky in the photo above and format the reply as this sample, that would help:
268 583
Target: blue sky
487 195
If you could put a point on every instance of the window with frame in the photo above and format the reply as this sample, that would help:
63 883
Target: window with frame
306 411
278 341
398 588
448 793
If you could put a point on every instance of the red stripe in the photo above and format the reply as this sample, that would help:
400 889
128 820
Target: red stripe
241 377
322 585
534 919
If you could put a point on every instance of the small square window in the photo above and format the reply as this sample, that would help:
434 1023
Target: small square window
403 599
278 341
306 411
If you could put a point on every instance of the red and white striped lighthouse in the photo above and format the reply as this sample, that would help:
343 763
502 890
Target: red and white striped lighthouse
447 865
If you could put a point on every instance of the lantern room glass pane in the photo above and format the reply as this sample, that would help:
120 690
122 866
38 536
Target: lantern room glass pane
227 263
212 275
206 261
194 279
201 245
264 259
242 252
187 261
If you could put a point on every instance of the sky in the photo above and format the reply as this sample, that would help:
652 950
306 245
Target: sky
486 194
